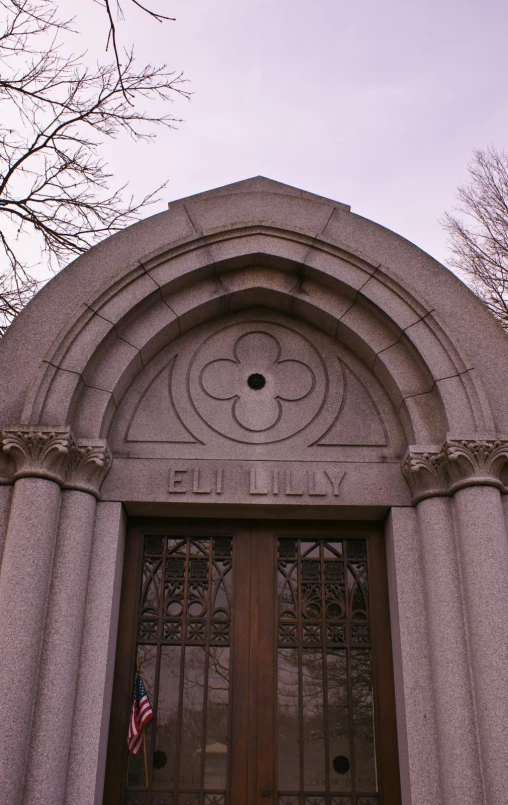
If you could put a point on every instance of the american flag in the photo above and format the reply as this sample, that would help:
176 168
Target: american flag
141 715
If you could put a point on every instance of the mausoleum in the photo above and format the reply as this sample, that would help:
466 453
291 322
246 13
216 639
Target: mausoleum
254 449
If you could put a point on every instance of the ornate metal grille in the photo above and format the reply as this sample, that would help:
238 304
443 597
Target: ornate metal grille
183 653
326 751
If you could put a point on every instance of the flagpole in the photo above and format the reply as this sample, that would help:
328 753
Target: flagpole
146 759
138 670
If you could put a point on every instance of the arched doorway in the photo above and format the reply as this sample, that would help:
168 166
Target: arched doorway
265 649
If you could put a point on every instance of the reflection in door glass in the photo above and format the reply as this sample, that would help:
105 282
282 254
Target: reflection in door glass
313 720
217 718
338 719
288 718
326 740
167 706
183 644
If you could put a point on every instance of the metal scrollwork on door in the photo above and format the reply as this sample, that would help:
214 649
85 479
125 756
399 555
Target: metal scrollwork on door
183 640
325 688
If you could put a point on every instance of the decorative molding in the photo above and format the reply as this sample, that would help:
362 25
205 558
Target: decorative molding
476 462
89 463
425 470
38 452
433 471
53 454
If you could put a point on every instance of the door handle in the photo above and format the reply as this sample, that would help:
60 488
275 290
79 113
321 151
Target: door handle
265 792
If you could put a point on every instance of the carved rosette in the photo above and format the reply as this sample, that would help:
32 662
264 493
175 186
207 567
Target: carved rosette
54 454
439 471
425 471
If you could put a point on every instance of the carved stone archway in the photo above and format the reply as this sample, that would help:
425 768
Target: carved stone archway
128 389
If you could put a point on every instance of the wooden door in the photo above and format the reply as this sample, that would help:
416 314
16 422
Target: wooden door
265 649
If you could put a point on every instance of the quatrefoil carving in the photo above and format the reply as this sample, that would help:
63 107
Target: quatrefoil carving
257 354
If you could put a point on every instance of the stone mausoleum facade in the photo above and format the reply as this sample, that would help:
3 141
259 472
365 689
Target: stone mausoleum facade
255 446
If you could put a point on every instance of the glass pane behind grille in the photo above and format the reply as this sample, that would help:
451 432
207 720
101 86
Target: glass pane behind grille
326 747
183 653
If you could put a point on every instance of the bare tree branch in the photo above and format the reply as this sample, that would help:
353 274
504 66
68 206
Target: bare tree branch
16 288
55 113
478 235
112 29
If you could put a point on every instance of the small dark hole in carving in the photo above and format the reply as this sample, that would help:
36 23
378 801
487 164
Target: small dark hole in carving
159 759
341 764
256 381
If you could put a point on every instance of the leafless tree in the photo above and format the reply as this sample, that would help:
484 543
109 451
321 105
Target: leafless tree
55 112
478 230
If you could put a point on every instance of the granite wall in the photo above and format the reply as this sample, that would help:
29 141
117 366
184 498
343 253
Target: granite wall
255 351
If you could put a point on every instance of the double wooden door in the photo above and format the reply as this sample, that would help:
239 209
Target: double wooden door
265 651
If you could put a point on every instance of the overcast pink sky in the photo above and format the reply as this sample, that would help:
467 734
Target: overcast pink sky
375 104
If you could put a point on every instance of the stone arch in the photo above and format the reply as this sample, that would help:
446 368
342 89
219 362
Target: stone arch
362 305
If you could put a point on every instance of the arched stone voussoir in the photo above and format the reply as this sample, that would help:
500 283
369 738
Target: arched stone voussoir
120 330
116 353
222 258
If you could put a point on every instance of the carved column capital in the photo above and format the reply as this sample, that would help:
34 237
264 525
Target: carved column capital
89 463
42 452
435 471
38 451
425 470
476 462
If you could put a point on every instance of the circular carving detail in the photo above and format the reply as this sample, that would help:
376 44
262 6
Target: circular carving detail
257 382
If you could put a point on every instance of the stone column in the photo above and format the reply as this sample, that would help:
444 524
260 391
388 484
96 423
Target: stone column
5 498
426 471
416 711
87 759
89 463
474 467
39 456
5 507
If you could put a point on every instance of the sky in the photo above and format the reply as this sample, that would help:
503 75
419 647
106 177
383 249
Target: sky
376 105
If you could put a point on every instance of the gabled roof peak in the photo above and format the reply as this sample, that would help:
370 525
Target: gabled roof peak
260 184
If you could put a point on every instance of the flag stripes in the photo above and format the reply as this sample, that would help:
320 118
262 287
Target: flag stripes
141 715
